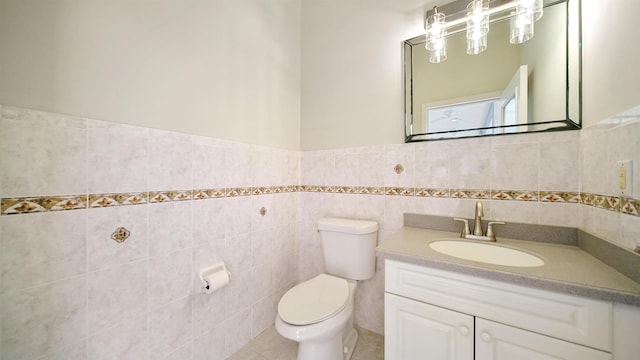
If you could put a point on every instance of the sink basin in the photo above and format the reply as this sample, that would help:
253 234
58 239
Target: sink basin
487 253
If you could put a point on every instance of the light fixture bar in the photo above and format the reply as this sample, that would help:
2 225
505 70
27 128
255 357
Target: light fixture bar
474 16
456 11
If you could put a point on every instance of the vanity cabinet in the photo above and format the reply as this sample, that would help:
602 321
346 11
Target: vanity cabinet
435 314
415 330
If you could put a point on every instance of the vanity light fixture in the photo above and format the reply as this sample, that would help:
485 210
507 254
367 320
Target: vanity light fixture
476 15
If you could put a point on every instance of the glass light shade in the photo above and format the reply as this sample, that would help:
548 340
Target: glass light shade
435 31
439 53
521 26
477 26
476 45
436 41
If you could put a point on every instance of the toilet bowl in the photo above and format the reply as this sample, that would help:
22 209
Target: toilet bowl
318 313
319 316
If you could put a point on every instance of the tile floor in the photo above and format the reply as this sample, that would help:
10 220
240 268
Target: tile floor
271 346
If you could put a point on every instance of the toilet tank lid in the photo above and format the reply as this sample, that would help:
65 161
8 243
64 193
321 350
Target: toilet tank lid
349 226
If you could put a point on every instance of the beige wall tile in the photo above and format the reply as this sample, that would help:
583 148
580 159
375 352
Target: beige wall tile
515 211
470 164
238 332
170 227
560 214
42 153
116 294
559 161
128 340
263 313
170 161
170 329
117 158
37 249
515 166
432 164
170 277
209 345
209 163
40 320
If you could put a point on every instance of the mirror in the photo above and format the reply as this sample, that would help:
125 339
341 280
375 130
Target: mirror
531 87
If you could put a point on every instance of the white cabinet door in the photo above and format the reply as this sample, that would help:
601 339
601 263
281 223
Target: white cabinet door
501 342
414 331
571 318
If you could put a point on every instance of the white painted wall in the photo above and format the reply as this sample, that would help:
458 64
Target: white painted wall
352 70
611 79
221 68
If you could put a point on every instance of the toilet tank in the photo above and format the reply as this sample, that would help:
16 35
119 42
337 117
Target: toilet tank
349 247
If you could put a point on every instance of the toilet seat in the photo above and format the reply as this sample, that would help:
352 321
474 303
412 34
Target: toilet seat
314 300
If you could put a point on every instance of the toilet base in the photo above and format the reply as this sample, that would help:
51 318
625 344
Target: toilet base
341 346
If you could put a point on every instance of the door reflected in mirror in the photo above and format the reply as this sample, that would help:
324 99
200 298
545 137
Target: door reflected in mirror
489 114
530 87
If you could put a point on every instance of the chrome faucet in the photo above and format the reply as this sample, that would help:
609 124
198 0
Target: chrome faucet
489 235
477 227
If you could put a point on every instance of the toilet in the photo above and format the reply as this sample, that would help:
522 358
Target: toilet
318 313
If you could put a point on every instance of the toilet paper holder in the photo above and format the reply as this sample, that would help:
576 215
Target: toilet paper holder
206 272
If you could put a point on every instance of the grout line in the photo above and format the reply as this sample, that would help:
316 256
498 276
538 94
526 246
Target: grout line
86 239
148 312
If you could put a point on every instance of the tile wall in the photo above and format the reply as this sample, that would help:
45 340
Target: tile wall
69 290
611 216
67 287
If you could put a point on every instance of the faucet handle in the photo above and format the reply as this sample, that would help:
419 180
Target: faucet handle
465 228
490 233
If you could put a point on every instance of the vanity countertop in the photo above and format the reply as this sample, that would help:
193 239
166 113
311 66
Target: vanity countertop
567 269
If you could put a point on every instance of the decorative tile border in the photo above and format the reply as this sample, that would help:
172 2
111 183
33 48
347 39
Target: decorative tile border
630 207
470 194
27 205
560 196
41 204
392 191
107 200
518 195
371 190
204 194
439 193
